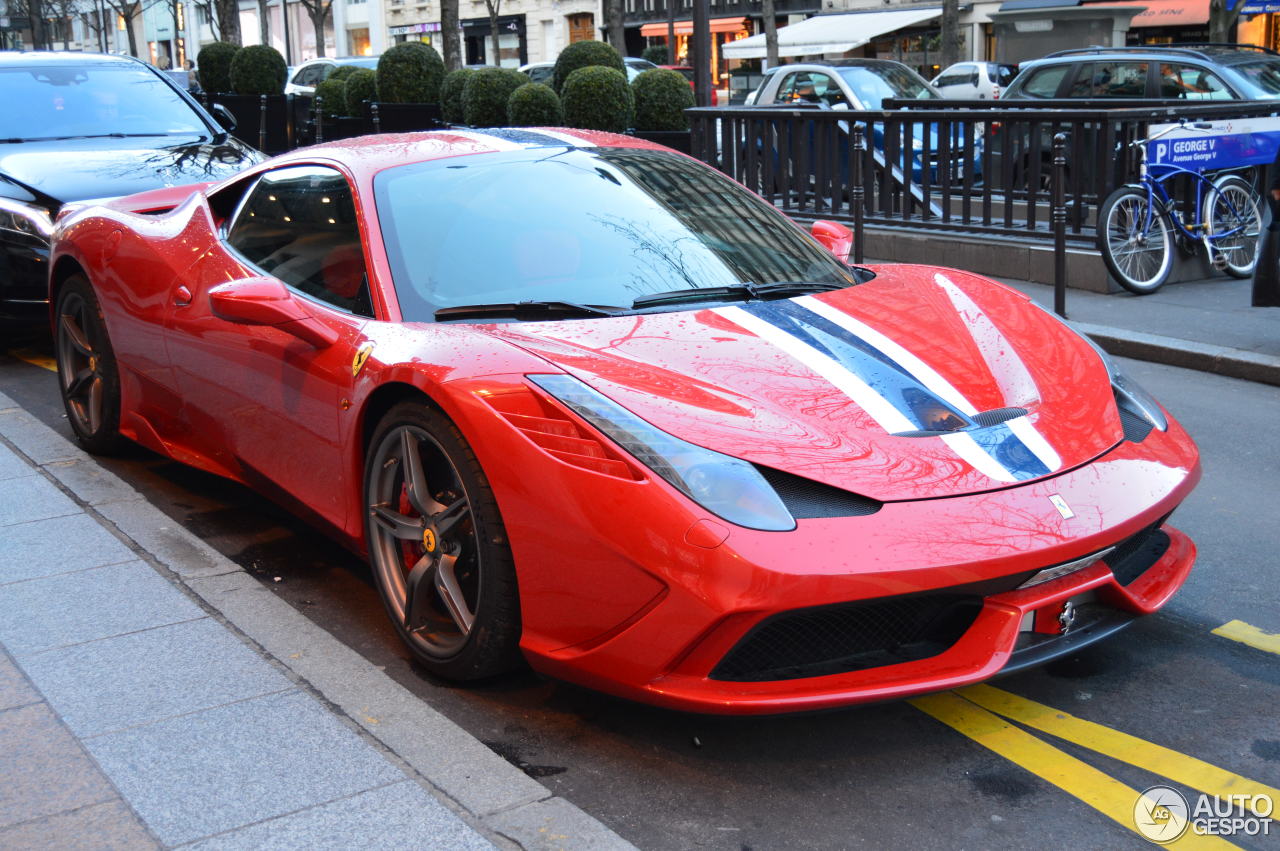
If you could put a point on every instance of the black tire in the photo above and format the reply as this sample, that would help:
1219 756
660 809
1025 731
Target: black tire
463 621
1135 241
88 376
1232 205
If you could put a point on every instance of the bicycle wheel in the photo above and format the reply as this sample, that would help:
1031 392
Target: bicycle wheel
1232 217
1135 240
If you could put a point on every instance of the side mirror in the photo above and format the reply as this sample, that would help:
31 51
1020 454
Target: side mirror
223 116
266 301
834 237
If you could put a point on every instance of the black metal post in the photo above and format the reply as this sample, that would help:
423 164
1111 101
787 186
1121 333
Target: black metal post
377 119
702 52
1059 219
319 104
262 123
857 194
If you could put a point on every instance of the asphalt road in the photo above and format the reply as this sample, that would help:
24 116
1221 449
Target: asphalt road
934 773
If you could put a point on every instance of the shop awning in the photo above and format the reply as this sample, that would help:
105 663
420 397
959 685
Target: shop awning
718 25
1167 13
831 33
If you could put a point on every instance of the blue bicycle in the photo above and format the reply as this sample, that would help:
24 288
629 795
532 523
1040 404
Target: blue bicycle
1139 223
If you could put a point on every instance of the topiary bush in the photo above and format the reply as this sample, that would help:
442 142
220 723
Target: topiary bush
410 73
534 105
258 70
332 95
485 95
662 96
361 86
451 95
598 98
655 53
582 54
342 72
214 61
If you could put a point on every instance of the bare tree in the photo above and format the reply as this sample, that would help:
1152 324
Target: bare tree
613 12
451 35
226 20
494 6
264 29
129 10
318 11
1223 15
770 15
950 53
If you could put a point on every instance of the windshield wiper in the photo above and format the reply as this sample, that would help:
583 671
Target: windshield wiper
109 136
739 292
525 311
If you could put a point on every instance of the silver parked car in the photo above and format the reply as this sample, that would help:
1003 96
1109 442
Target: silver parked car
844 84
975 80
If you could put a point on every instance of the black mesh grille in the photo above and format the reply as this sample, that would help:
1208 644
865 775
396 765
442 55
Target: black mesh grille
1137 554
1136 428
807 499
998 415
849 637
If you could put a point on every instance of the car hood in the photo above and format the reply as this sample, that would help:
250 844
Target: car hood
58 171
832 387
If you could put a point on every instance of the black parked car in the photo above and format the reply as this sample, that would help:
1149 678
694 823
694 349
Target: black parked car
75 127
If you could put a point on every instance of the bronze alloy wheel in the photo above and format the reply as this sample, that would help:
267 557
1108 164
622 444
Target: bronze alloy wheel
87 372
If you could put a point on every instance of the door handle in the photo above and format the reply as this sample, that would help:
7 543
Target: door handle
182 297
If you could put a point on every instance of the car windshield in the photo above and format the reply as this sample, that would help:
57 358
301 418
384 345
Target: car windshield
599 226
873 83
1263 75
57 101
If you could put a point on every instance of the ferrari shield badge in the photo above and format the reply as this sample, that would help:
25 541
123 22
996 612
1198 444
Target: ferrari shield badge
362 355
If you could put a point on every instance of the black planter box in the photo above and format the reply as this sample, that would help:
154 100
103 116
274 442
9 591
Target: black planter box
337 128
271 132
402 117
679 140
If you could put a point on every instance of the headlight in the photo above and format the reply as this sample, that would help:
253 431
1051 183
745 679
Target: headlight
1130 395
26 219
726 486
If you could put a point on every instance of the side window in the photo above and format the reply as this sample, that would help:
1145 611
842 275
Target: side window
308 76
786 88
1191 82
827 90
299 224
1044 82
952 79
1111 80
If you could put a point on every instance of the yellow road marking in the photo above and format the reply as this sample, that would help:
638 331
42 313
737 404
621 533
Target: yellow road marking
35 358
1104 793
1250 635
1157 759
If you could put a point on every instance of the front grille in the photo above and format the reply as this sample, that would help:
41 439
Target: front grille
849 637
1137 554
807 499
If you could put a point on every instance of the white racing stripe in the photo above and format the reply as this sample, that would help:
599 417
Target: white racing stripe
567 138
485 139
980 459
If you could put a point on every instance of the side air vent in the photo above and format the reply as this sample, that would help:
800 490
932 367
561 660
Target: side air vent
552 431
984 419
1136 428
1135 556
807 499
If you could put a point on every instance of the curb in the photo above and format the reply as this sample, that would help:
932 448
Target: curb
1220 360
465 775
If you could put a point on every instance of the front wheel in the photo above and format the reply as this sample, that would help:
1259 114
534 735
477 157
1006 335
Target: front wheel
438 547
1232 216
1135 241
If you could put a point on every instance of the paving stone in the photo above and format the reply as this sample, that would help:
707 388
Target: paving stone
394 817
58 545
165 539
11 466
556 825
6 402
70 608
15 689
35 439
134 679
102 827
224 768
45 771
32 498
90 482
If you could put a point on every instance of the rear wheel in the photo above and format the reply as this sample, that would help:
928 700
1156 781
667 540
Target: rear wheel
1232 217
1135 241
87 372
438 547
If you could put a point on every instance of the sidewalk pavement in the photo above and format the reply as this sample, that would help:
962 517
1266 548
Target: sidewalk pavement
153 695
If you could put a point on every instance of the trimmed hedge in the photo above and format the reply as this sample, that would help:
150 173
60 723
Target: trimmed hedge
485 95
451 95
655 53
332 95
361 86
598 98
342 72
534 105
410 73
258 69
662 96
214 61
582 54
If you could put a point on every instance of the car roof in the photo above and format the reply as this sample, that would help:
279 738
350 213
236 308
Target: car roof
842 63
1222 53
65 59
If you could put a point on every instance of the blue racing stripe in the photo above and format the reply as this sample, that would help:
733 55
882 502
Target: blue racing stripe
1007 448
523 137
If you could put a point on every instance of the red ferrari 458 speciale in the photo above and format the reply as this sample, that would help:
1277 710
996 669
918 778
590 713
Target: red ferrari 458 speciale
587 402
